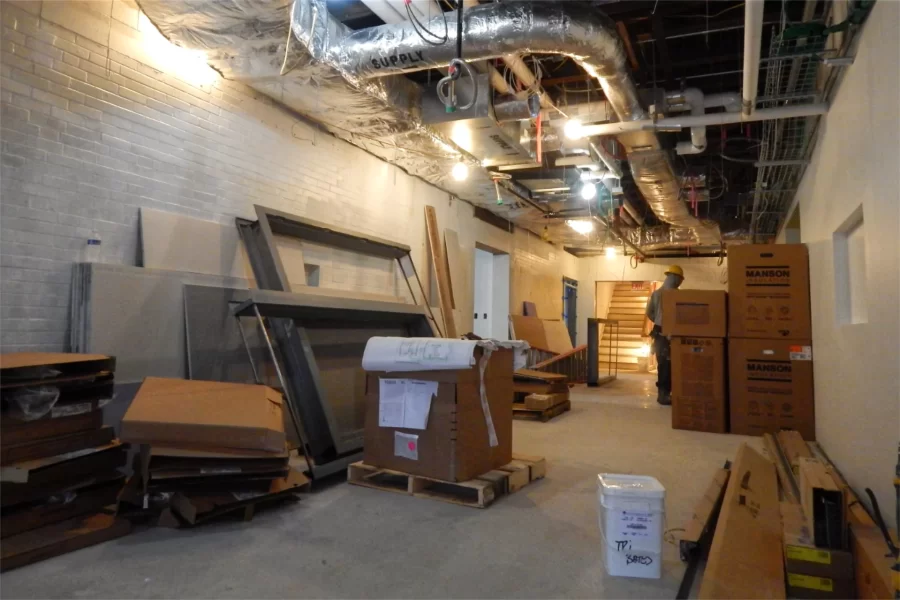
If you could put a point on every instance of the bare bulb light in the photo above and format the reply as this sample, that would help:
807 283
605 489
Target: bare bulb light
588 191
582 227
610 253
573 129
460 171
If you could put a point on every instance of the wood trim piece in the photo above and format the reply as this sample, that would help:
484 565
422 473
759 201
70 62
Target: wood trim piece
439 263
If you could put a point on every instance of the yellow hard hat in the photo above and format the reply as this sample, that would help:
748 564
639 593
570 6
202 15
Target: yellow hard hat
675 270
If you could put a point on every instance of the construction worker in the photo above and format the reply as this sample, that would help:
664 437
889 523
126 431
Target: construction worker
661 346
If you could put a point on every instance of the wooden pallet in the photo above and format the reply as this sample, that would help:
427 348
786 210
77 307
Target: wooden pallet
520 412
480 492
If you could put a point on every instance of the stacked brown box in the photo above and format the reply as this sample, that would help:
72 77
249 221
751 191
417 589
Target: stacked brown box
207 448
769 347
695 320
455 444
59 464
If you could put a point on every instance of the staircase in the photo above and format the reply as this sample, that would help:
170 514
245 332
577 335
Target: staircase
628 306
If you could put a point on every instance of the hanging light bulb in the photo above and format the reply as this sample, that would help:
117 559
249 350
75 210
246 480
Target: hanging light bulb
582 227
573 129
460 171
610 252
586 176
588 191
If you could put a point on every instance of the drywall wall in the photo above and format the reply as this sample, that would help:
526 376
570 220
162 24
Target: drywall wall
855 164
699 274
101 117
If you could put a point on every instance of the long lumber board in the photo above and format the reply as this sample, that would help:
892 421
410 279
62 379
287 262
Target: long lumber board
439 263
745 558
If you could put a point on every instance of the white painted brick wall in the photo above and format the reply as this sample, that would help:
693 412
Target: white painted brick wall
94 127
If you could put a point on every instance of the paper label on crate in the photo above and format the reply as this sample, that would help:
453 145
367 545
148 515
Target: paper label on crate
629 525
805 554
406 445
801 352
405 402
822 584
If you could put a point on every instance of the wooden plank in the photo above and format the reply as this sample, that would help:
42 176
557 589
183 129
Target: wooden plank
539 376
702 518
53 540
794 448
537 465
745 560
56 446
438 262
557 336
21 432
788 483
541 415
519 475
454 267
60 508
856 511
531 330
544 401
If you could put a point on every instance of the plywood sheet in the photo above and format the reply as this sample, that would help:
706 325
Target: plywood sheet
745 558
177 242
557 335
439 264
531 330
455 267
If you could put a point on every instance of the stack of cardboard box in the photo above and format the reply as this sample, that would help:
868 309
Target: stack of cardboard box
769 340
695 321
59 463
207 448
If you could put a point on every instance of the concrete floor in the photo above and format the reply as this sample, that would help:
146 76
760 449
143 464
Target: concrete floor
347 541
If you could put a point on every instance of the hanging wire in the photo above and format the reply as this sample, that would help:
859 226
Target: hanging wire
427 36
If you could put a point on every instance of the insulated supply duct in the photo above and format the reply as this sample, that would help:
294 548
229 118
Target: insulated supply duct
342 79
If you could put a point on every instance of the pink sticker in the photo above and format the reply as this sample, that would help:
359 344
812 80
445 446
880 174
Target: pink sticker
411 445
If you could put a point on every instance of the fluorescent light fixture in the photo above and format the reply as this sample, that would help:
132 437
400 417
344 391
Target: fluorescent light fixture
582 227
573 129
610 253
460 171
588 191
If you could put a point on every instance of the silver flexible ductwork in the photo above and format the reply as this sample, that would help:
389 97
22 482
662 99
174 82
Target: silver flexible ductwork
342 79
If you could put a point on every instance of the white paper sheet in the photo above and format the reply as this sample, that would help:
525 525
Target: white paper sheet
405 402
391 402
417 354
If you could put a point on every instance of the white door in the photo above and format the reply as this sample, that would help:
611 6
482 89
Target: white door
483 290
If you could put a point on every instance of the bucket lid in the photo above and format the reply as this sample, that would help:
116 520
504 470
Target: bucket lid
641 486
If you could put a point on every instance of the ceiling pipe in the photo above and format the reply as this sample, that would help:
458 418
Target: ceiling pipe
608 159
697 102
753 26
528 79
629 208
493 30
676 123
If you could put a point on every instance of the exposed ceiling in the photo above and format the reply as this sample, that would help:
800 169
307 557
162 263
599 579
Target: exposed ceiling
366 71
671 45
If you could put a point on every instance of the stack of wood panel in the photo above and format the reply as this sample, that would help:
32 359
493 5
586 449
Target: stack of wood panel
539 395
206 449
60 477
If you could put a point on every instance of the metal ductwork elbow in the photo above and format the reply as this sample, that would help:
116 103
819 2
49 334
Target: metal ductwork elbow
343 78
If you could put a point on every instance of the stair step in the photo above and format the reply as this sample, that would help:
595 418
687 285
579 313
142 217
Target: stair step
624 334
627 310
622 366
618 306
631 294
631 339
628 287
623 353
628 320
622 343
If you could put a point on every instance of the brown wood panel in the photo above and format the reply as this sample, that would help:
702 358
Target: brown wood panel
40 544
557 336
439 263
531 330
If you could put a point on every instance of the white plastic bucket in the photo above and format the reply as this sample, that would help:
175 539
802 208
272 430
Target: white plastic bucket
632 516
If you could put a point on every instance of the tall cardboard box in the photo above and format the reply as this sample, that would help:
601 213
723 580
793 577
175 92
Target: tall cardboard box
695 313
698 384
768 291
771 383
455 445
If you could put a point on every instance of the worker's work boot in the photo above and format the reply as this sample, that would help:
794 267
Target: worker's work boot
664 398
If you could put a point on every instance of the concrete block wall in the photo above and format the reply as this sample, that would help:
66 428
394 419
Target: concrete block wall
101 116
